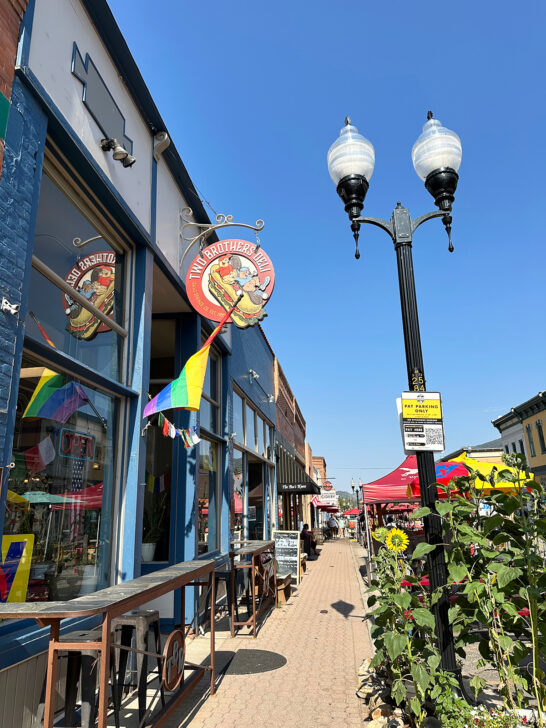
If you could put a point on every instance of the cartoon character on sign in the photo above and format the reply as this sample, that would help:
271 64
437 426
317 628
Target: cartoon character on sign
229 272
15 567
229 278
94 278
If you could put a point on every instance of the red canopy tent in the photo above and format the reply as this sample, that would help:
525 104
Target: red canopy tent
352 512
402 485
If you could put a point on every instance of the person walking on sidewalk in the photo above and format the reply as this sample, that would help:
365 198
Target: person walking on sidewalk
341 524
332 523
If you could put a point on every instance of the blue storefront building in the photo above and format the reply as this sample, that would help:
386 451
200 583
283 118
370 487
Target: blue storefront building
91 273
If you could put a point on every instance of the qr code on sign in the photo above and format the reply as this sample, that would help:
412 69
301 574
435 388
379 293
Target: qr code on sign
434 436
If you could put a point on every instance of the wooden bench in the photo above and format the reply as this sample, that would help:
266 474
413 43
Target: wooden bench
284 588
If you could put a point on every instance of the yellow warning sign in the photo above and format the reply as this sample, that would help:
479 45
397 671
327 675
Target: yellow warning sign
421 406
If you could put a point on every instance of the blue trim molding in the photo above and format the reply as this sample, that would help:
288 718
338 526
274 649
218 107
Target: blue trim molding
133 501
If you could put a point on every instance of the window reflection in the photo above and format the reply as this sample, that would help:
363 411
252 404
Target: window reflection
58 513
238 426
236 509
250 429
207 497
209 410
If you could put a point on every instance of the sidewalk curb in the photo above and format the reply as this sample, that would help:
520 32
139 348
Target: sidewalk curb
369 620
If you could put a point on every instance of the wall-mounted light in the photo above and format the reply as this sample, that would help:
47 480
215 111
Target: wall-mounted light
118 152
253 375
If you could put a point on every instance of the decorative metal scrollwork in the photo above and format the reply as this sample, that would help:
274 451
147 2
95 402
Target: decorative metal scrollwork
206 229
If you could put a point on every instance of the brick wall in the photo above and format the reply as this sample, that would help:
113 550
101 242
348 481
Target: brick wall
19 191
11 14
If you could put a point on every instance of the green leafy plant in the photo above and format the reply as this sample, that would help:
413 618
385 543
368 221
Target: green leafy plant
496 532
155 509
403 623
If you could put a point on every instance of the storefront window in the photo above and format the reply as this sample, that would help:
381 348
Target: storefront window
57 522
208 497
261 436
250 429
209 410
238 420
236 508
67 243
270 441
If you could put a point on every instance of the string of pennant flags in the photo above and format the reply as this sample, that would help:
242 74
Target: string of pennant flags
189 436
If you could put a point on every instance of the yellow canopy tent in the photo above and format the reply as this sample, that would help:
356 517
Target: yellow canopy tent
485 468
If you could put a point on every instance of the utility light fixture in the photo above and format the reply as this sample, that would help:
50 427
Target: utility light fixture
436 156
118 152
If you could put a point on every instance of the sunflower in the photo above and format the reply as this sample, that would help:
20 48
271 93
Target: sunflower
397 540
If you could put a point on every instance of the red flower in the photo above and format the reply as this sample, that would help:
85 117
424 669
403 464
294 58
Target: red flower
408 614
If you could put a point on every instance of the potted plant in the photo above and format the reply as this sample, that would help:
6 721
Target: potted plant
155 508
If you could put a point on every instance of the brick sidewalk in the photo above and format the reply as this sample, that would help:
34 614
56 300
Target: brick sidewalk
321 634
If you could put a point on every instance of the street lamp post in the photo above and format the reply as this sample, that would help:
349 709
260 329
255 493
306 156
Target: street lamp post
436 157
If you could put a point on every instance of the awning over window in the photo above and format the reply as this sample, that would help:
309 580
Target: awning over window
291 477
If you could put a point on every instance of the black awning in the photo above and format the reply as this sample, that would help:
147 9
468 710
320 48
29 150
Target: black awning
291 477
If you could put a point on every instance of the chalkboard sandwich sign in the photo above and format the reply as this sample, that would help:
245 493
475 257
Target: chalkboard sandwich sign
287 553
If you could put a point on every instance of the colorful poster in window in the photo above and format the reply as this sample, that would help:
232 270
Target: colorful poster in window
15 567
222 273
94 277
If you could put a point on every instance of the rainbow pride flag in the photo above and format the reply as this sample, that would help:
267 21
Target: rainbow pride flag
54 398
185 392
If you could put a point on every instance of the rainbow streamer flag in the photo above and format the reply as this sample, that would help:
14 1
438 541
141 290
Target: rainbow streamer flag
185 392
54 398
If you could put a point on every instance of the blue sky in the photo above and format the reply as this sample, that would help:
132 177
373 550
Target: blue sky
253 95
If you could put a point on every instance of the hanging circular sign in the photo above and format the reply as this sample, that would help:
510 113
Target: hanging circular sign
94 277
223 272
326 485
174 656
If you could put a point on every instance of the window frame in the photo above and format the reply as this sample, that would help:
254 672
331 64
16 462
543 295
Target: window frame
540 432
269 429
529 431
217 405
61 173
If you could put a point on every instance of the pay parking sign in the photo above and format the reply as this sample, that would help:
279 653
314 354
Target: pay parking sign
421 421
